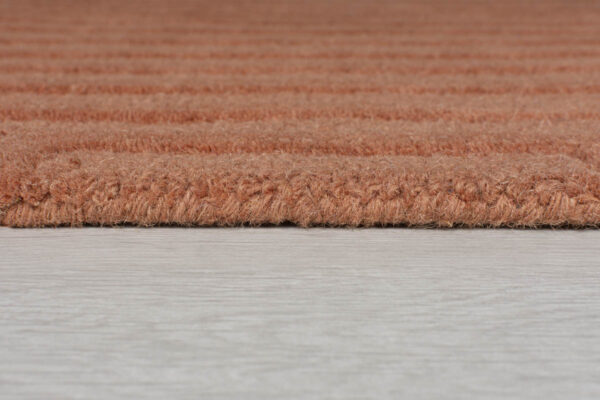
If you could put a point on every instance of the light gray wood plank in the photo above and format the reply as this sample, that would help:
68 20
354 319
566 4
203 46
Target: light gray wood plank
277 313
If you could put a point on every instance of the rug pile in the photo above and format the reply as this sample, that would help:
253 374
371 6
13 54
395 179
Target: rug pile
338 113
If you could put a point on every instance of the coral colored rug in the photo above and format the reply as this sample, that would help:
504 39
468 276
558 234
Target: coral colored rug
344 113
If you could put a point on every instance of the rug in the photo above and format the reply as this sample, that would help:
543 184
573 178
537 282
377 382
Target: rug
335 113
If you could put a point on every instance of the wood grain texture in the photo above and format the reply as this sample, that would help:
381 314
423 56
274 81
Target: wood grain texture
299 314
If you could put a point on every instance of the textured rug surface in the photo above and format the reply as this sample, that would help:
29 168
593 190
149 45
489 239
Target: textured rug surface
344 113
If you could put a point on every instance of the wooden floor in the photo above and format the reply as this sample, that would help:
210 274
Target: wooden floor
286 313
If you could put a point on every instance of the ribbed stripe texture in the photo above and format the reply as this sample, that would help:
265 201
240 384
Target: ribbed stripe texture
337 113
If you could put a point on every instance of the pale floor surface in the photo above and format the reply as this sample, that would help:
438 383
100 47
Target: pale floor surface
286 313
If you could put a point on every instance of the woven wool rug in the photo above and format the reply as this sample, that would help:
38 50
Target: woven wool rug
343 113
